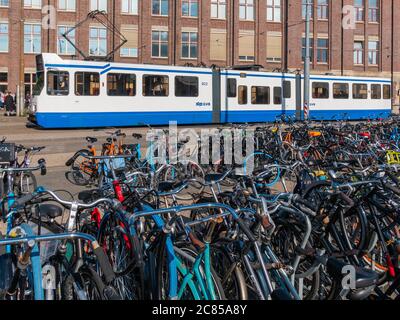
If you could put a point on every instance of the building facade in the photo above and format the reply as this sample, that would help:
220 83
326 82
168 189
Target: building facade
207 32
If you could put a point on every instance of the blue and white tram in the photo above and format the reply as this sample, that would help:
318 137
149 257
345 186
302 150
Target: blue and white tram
87 94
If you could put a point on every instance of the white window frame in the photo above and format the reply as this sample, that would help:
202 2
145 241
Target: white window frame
31 51
247 5
190 15
8 35
189 43
59 37
131 51
273 6
374 53
159 44
3 5
97 5
133 7
358 53
68 6
31 4
220 5
159 14
98 39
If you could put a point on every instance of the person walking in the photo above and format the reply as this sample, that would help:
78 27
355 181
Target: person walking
9 104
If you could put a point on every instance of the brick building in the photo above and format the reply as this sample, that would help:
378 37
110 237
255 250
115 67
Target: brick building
221 32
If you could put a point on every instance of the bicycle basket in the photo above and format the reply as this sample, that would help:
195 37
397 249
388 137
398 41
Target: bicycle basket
7 153
393 157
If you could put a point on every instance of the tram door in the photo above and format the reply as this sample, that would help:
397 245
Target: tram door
216 93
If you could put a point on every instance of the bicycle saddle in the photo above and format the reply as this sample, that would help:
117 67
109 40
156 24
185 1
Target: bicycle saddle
91 139
137 135
214 177
168 186
364 278
88 196
50 210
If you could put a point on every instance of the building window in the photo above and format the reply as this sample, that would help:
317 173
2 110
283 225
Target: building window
189 45
66 5
218 44
373 10
3 37
373 50
274 47
100 5
186 86
322 50
159 44
323 9
4 81
4 3
63 46
32 38
303 50
246 46
320 90
57 83
29 81
218 9
33 4
155 86
358 52
130 48
246 10
340 91
121 84
129 6
360 91
274 10
359 10
160 7
97 41
304 8
190 8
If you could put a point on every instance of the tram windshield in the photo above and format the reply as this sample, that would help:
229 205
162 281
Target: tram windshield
37 89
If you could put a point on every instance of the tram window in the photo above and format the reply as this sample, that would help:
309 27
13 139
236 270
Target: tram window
387 94
277 95
260 95
242 97
87 84
121 84
287 89
376 91
155 86
320 90
57 83
360 91
340 91
186 86
231 88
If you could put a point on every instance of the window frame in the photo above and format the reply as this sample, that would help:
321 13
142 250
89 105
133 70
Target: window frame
67 7
32 35
323 85
189 43
273 6
354 91
190 4
98 40
159 14
337 97
67 44
160 43
229 82
118 85
376 85
58 72
84 73
187 96
268 95
144 92
246 95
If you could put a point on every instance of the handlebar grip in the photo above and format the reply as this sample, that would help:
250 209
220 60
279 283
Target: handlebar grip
346 198
394 189
246 230
303 202
104 264
20 202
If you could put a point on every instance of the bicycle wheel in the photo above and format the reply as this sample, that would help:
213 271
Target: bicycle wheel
124 253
